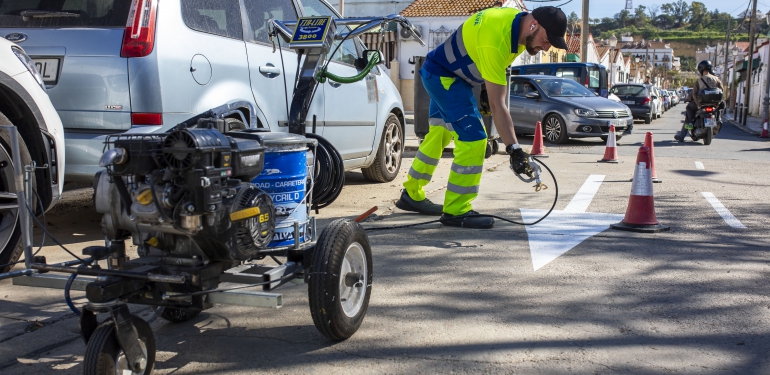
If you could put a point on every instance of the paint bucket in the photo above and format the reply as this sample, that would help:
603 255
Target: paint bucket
284 177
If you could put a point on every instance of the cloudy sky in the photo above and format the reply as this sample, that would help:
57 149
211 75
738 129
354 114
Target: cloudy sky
608 8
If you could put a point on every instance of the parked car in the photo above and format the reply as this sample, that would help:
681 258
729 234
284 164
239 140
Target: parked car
565 108
638 98
592 76
25 104
114 66
674 96
657 101
666 99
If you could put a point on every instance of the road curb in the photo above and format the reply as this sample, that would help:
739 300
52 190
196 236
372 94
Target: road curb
744 128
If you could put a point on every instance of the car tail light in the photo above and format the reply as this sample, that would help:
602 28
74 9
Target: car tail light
646 100
146 118
709 109
586 82
139 36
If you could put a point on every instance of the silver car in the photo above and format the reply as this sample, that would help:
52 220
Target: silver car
142 66
565 108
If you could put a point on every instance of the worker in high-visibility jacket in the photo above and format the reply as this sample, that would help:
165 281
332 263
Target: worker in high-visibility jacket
478 52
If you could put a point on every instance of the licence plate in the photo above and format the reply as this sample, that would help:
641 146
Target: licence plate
618 122
710 122
629 102
48 69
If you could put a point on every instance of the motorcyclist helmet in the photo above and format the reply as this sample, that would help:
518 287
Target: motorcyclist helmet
704 65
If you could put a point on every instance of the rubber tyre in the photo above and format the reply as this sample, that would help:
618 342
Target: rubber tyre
387 162
558 133
648 119
11 246
179 315
617 137
708 137
489 150
103 348
325 276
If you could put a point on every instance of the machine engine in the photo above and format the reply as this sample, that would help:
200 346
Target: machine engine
186 194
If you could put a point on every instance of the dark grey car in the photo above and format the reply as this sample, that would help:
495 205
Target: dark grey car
565 108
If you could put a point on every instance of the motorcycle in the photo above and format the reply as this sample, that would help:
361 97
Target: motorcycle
708 119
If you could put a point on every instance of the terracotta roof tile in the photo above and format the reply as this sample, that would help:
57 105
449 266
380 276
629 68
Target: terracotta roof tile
601 51
444 8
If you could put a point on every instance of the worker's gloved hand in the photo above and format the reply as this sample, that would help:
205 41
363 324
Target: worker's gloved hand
484 107
519 159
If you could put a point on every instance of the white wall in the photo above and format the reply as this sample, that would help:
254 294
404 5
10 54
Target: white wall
409 47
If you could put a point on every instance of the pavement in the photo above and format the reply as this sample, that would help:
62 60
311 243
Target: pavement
753 124
565 296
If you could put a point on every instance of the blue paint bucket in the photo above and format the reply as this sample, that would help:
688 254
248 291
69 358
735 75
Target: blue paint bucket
284 177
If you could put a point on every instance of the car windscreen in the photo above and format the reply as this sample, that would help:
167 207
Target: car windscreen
593 77
563 88
629 91
64 13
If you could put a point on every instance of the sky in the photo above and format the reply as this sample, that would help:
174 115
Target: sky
608 8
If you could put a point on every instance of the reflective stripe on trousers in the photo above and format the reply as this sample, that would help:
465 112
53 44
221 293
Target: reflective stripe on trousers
464 176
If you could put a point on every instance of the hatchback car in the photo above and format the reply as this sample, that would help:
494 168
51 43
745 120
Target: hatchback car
565 108
638 98
25 104
657 101
142 66
666 99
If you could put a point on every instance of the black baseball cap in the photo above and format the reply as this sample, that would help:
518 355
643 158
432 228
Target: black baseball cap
554 21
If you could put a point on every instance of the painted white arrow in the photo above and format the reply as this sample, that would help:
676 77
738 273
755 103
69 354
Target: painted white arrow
563 230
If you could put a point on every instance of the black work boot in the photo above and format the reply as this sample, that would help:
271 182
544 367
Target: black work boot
424 207
468 220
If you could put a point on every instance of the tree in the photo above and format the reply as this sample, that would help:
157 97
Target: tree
640 16
623 17
653 11
699 16
679 10
665 21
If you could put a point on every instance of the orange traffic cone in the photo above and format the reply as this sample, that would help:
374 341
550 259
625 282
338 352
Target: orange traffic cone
764 130
537 143
610 152
640 214
650 144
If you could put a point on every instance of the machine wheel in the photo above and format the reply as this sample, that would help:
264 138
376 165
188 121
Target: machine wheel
105 356
554 129
340 280
234 125
489 151
495 146
178 315
648 119
388 160
10 232
708 137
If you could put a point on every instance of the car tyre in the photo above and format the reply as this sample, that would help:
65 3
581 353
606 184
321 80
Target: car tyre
387 162
10 233
648 119
554 129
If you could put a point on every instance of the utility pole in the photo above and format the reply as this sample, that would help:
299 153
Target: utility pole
342 8
584 34
727 48
766 100
751 60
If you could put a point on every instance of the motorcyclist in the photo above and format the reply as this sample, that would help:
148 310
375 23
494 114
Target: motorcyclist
707 80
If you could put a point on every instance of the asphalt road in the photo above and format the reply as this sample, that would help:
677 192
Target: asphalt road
568 296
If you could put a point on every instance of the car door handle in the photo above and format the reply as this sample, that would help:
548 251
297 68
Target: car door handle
334 84
269 70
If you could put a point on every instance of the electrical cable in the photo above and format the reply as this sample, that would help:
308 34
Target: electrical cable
285 88
329 177
553 205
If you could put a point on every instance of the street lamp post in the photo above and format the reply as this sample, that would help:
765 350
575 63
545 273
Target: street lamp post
613 43
766 100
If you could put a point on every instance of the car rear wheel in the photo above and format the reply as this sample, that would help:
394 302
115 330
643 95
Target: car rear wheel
648 119
388 160
10 231
554 129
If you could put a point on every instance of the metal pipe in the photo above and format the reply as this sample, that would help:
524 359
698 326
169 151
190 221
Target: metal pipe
21 196
102 272
9 275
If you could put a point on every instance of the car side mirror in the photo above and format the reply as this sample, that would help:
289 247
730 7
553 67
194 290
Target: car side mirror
362 61
532 95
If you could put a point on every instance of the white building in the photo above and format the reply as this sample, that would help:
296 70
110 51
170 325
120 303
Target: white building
657 54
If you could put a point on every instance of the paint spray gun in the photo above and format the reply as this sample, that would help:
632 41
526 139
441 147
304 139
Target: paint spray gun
532 172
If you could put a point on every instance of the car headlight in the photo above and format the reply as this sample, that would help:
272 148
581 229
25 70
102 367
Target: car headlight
27 61
585 112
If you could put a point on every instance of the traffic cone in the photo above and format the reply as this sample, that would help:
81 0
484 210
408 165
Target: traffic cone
764 130
537 143
640 214
651 145
610 152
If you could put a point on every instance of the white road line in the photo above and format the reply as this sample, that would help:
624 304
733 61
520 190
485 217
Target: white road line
723 211
699 165
582 199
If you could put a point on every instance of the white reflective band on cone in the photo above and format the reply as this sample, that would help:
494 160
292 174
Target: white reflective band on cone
642 184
